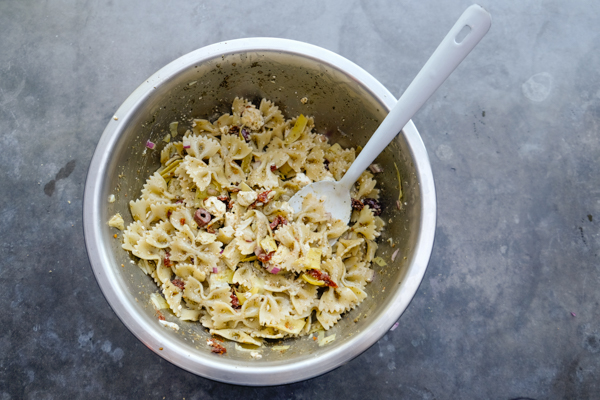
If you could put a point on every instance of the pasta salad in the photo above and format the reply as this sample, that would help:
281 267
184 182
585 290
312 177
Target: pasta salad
214 229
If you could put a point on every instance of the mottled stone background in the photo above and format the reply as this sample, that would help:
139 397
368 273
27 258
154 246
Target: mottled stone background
509 305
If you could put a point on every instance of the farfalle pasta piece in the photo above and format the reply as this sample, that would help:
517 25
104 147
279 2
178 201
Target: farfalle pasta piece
272 116
226 122
365 224
328 319
201 126
316 169
263 174
237 335
201 147
171 150
305 298
345 247
160 235
173 295
366 186
233 149
155 189
185 270
270 312
132 235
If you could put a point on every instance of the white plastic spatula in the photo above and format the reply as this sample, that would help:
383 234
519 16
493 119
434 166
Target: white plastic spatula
470 28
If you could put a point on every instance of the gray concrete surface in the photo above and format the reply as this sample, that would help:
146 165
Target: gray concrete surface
509 305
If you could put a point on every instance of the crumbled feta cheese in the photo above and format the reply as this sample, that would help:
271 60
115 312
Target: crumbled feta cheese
286 209
111 198
301 180
215 206
116 221
230 219
256 355
246 198
252 118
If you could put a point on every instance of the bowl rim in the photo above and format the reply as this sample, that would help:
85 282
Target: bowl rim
248 373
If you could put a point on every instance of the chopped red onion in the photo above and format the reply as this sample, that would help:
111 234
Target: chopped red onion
395 254
272 269
398 204
150 145
393 328
215 270
186 144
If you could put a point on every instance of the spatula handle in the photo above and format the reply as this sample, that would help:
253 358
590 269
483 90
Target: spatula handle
474 23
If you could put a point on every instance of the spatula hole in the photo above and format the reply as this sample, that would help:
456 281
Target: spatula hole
464 32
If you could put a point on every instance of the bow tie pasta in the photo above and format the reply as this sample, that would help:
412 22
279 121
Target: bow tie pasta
214 229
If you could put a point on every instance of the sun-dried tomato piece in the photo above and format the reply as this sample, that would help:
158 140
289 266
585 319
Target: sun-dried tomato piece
273 168
234 130
182 221
167 260
179 283
216 347
225 199
326 164
357 204
374 205
235 302
279 220
262 255
323 277
263 197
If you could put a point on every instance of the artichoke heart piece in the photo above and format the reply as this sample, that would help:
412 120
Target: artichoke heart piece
257 285
241 297
379 261
173 128
246 162
224 276
170 169
297 130
311 261
289 325
268 244
314 258
310 279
